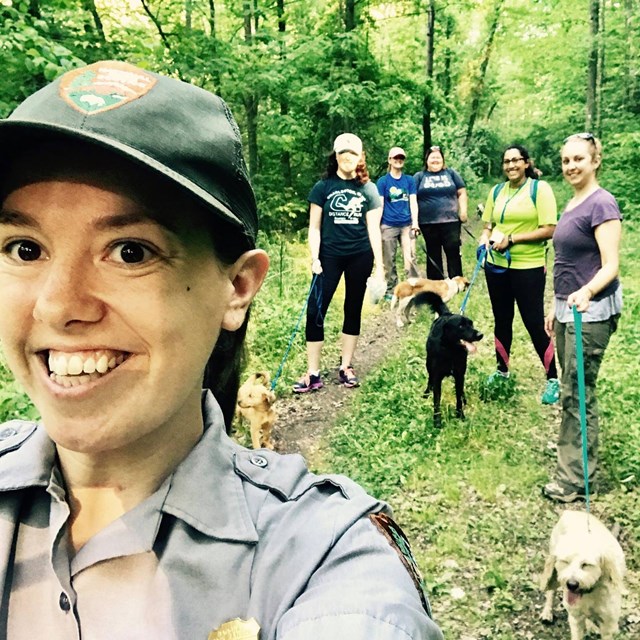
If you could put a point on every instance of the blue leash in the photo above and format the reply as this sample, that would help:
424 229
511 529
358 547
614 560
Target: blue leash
481 256
293 335
582 399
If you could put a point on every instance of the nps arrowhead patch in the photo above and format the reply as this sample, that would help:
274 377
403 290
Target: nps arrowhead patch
103 86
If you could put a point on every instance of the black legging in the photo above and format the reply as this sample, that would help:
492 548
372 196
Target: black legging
356 270
526 288
439 237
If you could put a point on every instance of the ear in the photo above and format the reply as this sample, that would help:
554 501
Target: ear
246 276
611 570
549 577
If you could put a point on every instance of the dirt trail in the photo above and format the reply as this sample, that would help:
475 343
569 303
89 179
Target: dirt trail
303 418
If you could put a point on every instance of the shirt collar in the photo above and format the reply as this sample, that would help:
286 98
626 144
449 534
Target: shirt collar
205 490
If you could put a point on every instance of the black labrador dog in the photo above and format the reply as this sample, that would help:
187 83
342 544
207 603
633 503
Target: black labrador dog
451 339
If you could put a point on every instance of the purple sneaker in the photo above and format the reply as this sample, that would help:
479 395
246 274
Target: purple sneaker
308 382
348 377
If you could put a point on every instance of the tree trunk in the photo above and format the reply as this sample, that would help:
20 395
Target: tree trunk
600 77
90 6
156 22
350 15
476 92
592 65
285 158
631 60
250 99
187 14
426 102
445 81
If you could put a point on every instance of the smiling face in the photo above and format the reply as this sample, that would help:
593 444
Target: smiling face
514 166
435 161
113 314
580 162
347 163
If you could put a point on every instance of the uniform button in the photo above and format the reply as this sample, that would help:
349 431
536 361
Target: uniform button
7 433
258 461
64 603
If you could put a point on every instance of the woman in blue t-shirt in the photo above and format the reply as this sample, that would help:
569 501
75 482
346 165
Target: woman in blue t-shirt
344 238
442 206
585 274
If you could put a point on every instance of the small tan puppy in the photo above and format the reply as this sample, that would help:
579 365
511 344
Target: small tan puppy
587 561
404 293
255 405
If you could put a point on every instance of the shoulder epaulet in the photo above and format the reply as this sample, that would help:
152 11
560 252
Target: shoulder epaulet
286 475
14 434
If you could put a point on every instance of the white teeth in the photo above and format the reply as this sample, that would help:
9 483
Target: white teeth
75 366
79 366
102 365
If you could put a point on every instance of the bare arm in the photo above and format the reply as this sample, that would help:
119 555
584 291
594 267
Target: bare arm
538 235
413 207
374 216
608 238
462 204
315 219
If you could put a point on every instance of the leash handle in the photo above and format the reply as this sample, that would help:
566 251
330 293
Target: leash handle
293 335
582 399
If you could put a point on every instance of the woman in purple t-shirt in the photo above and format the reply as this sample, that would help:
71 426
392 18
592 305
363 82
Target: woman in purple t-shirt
585 274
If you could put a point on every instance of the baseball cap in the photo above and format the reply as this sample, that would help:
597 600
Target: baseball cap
347 142
174 128
396 151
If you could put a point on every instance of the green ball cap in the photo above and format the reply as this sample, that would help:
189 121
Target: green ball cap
176 129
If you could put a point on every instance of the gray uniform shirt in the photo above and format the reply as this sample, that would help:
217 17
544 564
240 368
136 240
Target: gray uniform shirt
232 533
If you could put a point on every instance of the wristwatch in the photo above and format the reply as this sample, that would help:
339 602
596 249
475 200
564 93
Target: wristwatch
510 241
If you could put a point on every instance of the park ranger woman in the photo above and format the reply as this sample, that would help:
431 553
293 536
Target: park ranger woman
127 267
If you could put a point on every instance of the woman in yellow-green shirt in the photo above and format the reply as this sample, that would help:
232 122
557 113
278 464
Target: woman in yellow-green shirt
520 216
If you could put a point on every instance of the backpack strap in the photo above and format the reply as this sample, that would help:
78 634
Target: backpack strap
533 190
496 191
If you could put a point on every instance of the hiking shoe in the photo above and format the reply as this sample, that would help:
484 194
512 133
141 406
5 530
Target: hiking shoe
500 385
348 377
308 382
556 492
551 393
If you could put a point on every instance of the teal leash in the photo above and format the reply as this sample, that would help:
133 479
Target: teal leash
294 333
482 253
582 399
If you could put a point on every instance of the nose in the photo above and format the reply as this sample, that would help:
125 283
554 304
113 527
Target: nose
66 296
573 585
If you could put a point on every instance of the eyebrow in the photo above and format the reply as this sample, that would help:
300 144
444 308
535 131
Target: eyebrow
119 220
115 221
9 216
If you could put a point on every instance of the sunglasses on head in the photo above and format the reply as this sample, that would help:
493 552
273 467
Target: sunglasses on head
583 136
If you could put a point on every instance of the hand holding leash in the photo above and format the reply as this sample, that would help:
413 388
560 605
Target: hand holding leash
580 298
316 266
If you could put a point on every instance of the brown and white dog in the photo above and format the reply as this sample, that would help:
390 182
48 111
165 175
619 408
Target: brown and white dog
255 405
586 560
404 293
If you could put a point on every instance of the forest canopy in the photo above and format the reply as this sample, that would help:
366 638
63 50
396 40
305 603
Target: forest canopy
468 75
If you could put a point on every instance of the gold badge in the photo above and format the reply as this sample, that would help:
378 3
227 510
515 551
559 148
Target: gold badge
237 630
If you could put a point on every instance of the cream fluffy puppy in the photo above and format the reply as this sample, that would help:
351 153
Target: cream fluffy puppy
587 561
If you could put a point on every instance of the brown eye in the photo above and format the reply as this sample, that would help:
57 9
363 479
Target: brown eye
130 252
25 250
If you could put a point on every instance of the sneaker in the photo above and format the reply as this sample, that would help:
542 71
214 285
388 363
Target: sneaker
500 385
348 377
554 491
308 382
497 377
551 393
